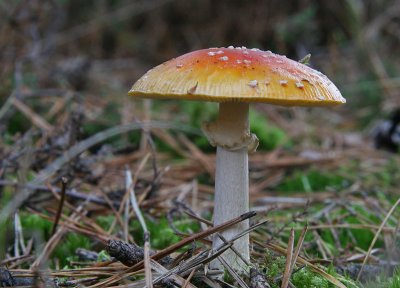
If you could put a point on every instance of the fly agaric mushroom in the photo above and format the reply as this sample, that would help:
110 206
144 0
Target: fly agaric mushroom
235 77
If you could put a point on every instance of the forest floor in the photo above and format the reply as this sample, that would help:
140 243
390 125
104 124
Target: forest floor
324 198
81 163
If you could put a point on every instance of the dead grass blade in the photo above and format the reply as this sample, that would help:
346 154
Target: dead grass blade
298 247
61 204
178 279
131 194
147 266
371 246
194 262
293 255
289 258
233 273
32 116
187 281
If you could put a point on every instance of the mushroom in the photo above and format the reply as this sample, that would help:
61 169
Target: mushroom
235 77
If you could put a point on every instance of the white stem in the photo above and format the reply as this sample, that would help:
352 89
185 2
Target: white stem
232 176
232 200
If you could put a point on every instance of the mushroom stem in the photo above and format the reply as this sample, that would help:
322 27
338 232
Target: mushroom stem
231 134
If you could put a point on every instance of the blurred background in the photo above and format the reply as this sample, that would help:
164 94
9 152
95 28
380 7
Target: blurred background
102 47
67 65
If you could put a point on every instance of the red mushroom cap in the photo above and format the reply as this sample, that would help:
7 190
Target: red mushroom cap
238 75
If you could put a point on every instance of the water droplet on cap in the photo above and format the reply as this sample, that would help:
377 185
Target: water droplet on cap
246 61
253 83
299 85
179 65
224 58
283 82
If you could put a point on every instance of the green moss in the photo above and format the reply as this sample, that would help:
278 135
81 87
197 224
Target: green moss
310 181
17 123
388 175
34 224
105 222
274 267
103 256
394 282
269 135
6 226
363 237
348 237
306 278
68 246
7 139
161 234
205 179
6 195
382 281
196 113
